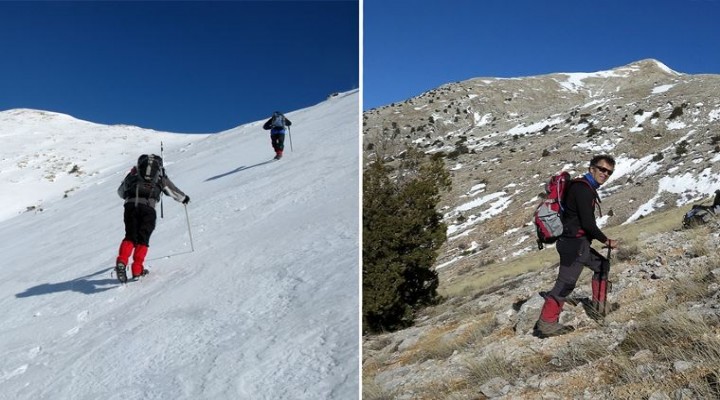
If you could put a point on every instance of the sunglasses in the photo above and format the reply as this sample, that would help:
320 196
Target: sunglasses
604 170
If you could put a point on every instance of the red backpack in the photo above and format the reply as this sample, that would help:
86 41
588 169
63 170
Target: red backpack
548 214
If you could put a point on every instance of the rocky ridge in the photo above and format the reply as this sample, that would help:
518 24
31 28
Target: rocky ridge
502 139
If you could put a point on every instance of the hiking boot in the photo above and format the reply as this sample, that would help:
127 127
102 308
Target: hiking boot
544 329
120 272
144 272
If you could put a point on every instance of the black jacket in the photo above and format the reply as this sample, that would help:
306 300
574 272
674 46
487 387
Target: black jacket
125 191
579 216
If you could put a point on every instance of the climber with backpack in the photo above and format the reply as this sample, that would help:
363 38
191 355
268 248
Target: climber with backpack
573 245
141 189
278 125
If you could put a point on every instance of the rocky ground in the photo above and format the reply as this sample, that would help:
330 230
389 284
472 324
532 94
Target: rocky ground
663 342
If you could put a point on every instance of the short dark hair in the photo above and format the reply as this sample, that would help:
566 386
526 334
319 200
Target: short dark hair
603 157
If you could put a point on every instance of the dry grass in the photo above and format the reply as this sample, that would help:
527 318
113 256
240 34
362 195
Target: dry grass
634 381
713 262
372 366
439 345
497 226
373 391
494 275
664 221
439 390
479 372
693 289
699 245
669 337
493 366
627 252
580 353
673 336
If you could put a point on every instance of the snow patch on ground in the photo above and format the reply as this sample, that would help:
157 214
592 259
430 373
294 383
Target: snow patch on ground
481 120
574 82
533 128
673 125
661 89
691 187
714 115
499 202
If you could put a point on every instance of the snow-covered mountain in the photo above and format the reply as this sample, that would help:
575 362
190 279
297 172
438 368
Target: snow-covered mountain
261 304
503 138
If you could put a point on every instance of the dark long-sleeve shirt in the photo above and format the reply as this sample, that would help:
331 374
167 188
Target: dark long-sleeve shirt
579 216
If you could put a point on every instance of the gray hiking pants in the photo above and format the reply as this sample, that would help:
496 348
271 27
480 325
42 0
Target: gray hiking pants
575 253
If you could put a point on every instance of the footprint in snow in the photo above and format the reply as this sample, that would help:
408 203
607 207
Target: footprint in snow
72 332
83 316
32 353
18 371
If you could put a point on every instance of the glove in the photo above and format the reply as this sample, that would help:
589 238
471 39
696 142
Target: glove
186 200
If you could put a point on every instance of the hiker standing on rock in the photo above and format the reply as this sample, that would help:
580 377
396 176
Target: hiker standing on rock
579 230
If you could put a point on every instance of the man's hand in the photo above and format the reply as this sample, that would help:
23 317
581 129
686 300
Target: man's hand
186 200
611 243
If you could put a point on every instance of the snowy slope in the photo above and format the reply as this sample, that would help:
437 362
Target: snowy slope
265 307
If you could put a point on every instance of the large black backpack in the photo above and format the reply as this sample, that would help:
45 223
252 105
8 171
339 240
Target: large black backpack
278 120
149 172
698 215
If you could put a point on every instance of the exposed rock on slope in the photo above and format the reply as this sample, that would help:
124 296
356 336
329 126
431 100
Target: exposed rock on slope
663 342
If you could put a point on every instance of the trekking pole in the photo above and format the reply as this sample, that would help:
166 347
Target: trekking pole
161 202
290 138
187 218
606 287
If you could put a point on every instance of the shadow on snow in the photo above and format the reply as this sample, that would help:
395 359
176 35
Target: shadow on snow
238 169
80 285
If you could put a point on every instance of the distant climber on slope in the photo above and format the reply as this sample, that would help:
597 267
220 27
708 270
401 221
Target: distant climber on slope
277 124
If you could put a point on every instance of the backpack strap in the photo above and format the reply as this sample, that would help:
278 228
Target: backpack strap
137 192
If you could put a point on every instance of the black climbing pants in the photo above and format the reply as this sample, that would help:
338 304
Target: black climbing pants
576 253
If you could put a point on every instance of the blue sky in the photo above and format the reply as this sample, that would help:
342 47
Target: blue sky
195 67
411 47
